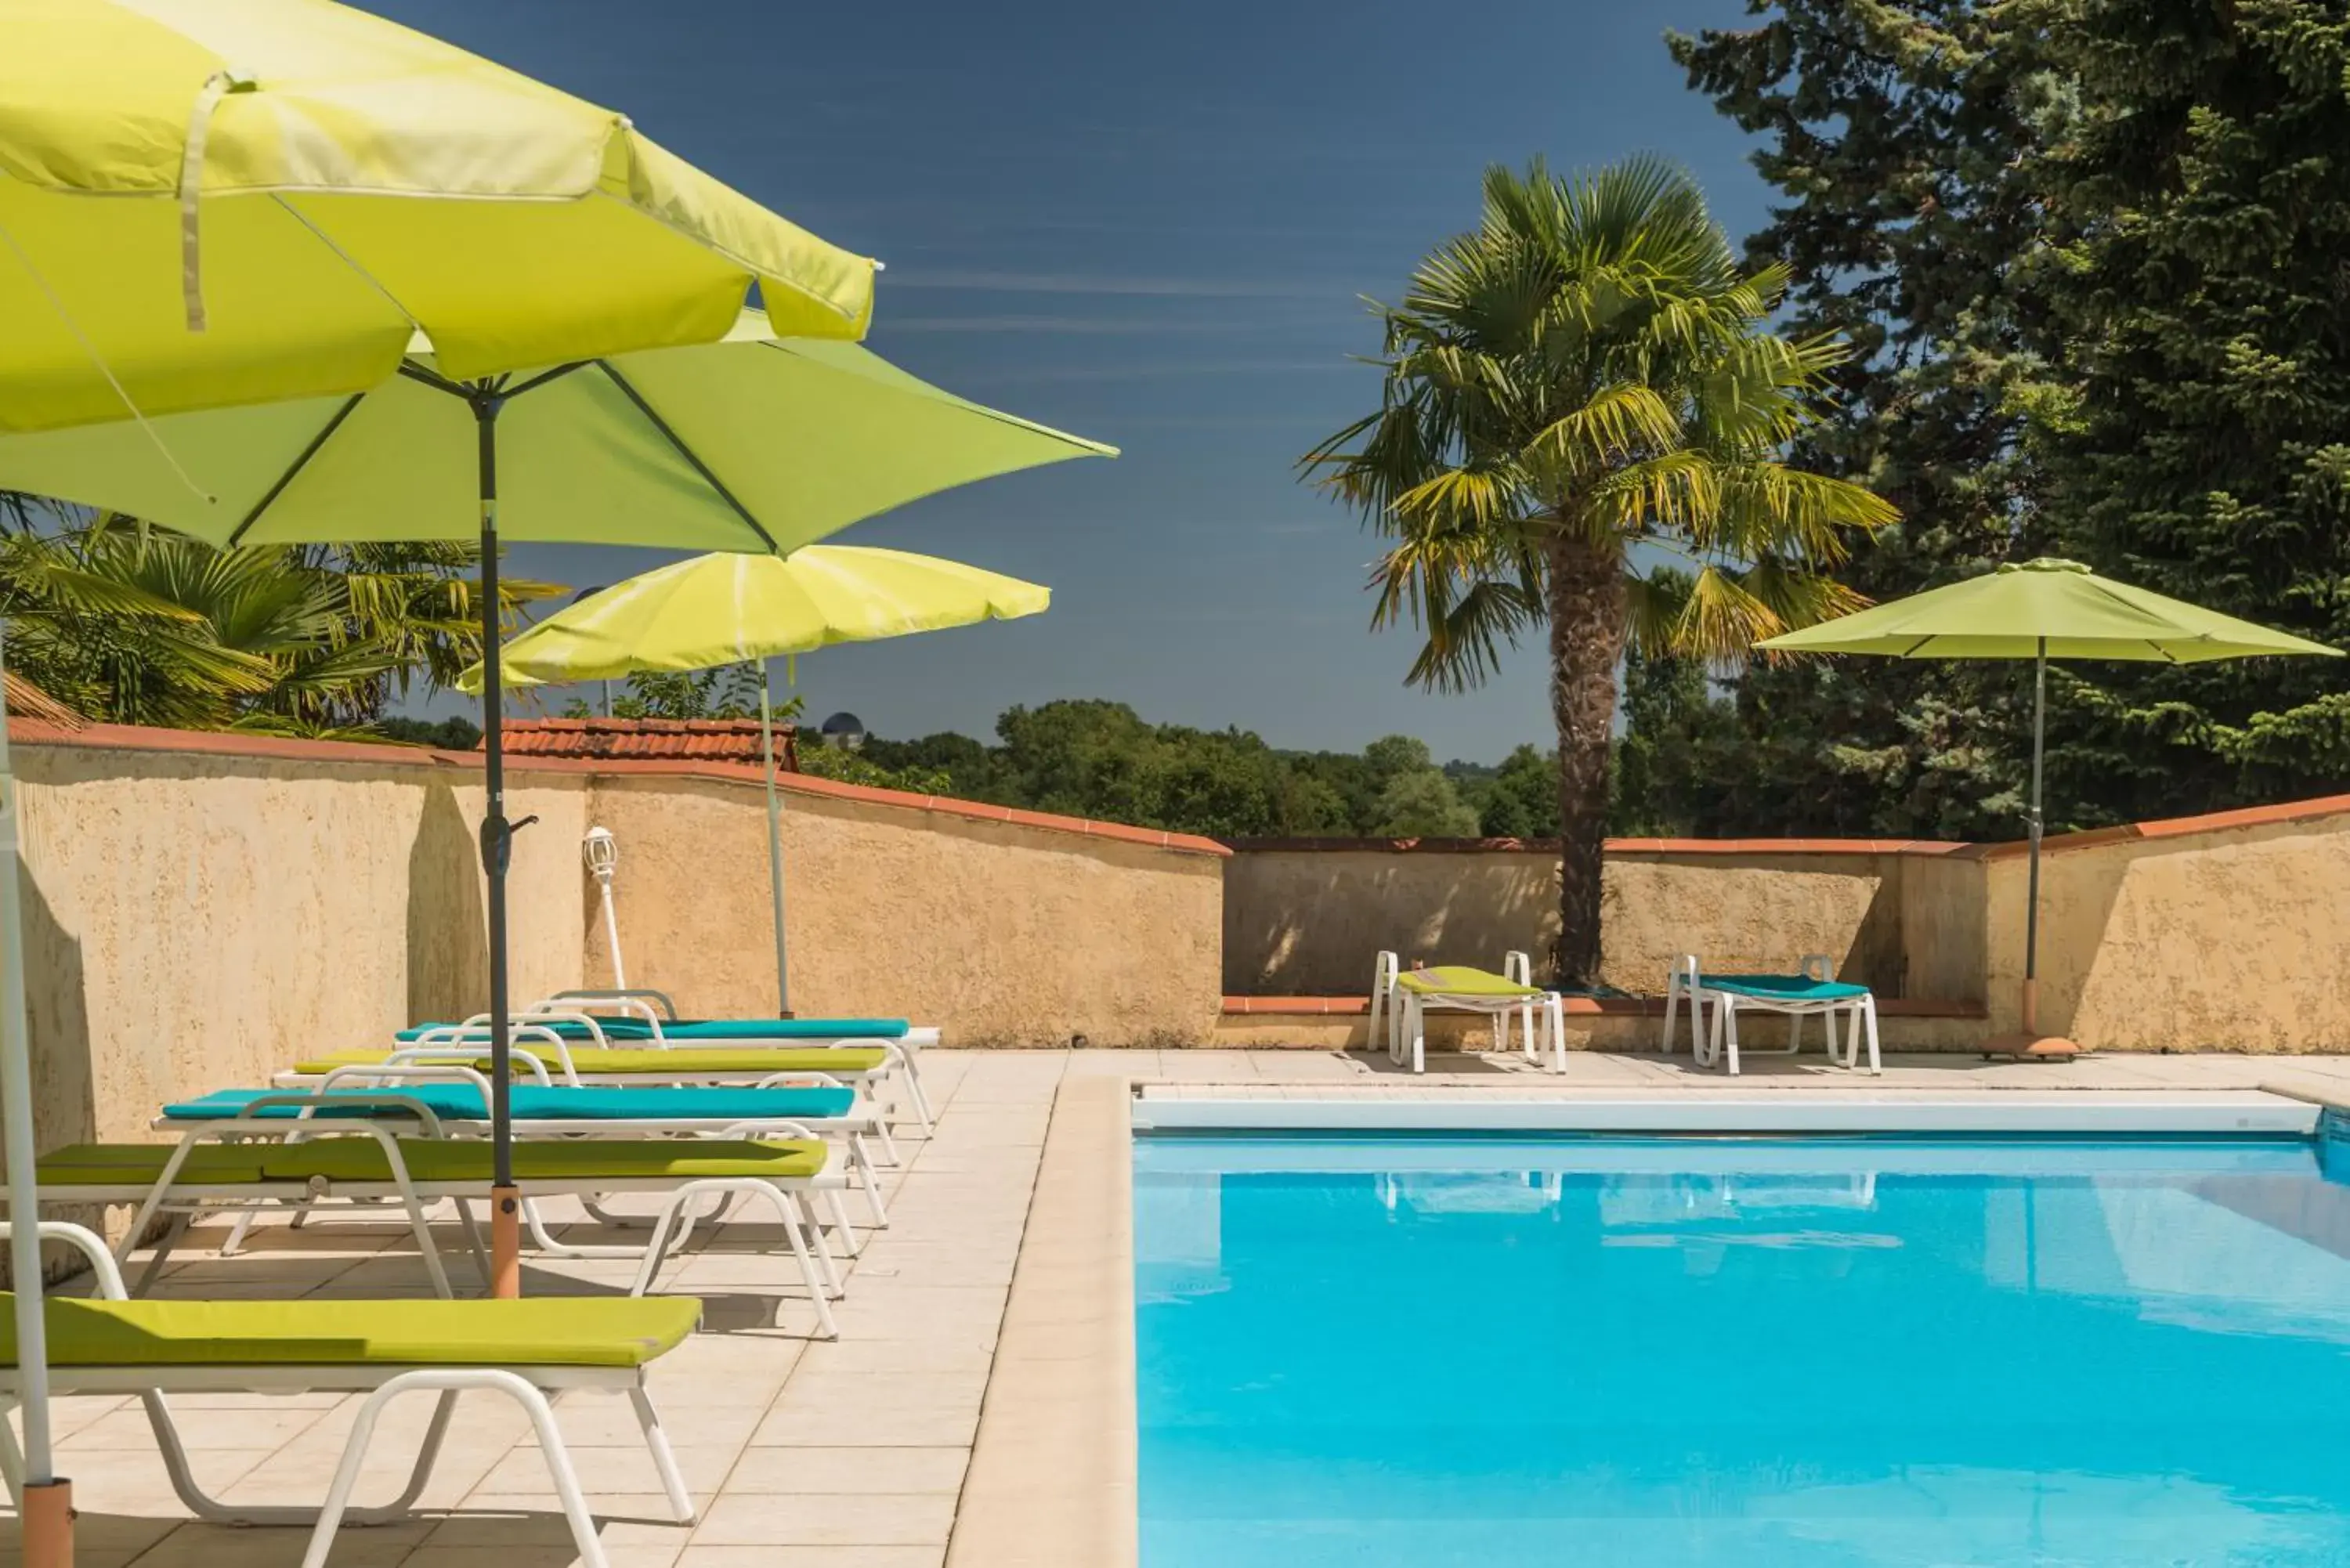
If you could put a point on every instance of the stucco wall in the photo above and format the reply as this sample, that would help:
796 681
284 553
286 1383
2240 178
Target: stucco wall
195 920
1005 933
2232 938
1305 920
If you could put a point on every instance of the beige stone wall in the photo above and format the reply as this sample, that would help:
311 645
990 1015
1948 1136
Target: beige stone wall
2234 939
1005 933
195 921
1306 921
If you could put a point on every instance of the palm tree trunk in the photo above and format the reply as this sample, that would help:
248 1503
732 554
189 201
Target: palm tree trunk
1585 591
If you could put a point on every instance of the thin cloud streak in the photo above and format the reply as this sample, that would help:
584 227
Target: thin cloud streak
1119 284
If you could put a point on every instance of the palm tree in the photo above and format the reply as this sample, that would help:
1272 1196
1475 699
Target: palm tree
1581 421
139 625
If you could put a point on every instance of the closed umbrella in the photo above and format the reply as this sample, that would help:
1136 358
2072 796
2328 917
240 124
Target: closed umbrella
216 202
2042 609
756 444
729 608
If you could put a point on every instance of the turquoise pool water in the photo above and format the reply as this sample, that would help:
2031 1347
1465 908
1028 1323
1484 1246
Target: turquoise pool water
1766 1352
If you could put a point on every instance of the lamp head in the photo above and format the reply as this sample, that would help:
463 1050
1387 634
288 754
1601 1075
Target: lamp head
601 852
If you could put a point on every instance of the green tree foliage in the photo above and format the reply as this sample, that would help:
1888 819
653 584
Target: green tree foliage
2090 251
138 625
451 735
1415 799
1585 381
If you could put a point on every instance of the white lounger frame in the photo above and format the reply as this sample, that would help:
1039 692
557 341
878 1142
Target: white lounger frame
1406 1011
526 1386
657 1008
669 1229
1718 1043
531 1037
460 1046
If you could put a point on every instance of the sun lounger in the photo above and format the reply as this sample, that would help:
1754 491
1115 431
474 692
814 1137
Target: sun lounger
526 1350
1812 992
1407 996
206 1173
454 1097
605 1017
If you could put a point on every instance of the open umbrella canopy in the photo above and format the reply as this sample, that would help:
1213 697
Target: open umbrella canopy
2057 609
756 442
2042 609
312 184
726 608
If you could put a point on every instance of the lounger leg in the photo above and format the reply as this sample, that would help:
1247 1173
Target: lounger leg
1729 1011
1418 1028
922 1099
1868 1013
889 1155
236 1232
1557 1007
839 1207
825 1327
828 1270
680 1501
173 1230
12 1457
863 1161
422 1229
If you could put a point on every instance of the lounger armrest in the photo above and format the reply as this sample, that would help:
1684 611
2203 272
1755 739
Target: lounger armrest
90 1245
800 1081
464 1056
632 999
769 1126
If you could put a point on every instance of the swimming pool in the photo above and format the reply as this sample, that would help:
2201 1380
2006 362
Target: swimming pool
1422 1352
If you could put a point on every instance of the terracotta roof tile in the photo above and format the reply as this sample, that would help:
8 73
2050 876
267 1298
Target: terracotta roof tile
650 740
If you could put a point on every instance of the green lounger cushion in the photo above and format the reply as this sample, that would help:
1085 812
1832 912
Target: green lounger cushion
714 1029
543 1332
591 1060
122 1164
1460 980
448 1159
436 1160
1783 987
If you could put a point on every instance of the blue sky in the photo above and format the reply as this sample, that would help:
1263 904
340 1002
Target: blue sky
1150 224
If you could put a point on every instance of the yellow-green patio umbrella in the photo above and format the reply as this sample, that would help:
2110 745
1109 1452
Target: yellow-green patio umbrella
734 608
756 443
217 202
212 203
2042 609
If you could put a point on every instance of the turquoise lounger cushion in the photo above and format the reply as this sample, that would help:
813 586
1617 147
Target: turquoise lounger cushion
715 1028
1783 987
536 1101
549 1331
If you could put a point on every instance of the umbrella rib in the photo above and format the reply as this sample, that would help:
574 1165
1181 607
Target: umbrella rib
326 433
687 454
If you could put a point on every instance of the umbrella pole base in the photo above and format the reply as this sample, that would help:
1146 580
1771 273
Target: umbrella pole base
2031 1046
49 1525
505 1243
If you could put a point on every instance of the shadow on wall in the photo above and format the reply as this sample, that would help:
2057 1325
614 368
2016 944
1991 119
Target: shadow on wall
448 944
1309 923
65 1093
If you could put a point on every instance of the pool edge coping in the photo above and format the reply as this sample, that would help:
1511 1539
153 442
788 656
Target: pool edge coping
1052 1479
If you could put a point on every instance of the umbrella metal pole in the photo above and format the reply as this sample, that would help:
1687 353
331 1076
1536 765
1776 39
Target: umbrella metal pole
497 848
775 842
2031 895
48 1500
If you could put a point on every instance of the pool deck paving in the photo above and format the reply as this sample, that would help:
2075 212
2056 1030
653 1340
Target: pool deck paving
977 1411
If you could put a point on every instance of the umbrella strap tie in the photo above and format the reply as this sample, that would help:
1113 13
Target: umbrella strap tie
217 86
